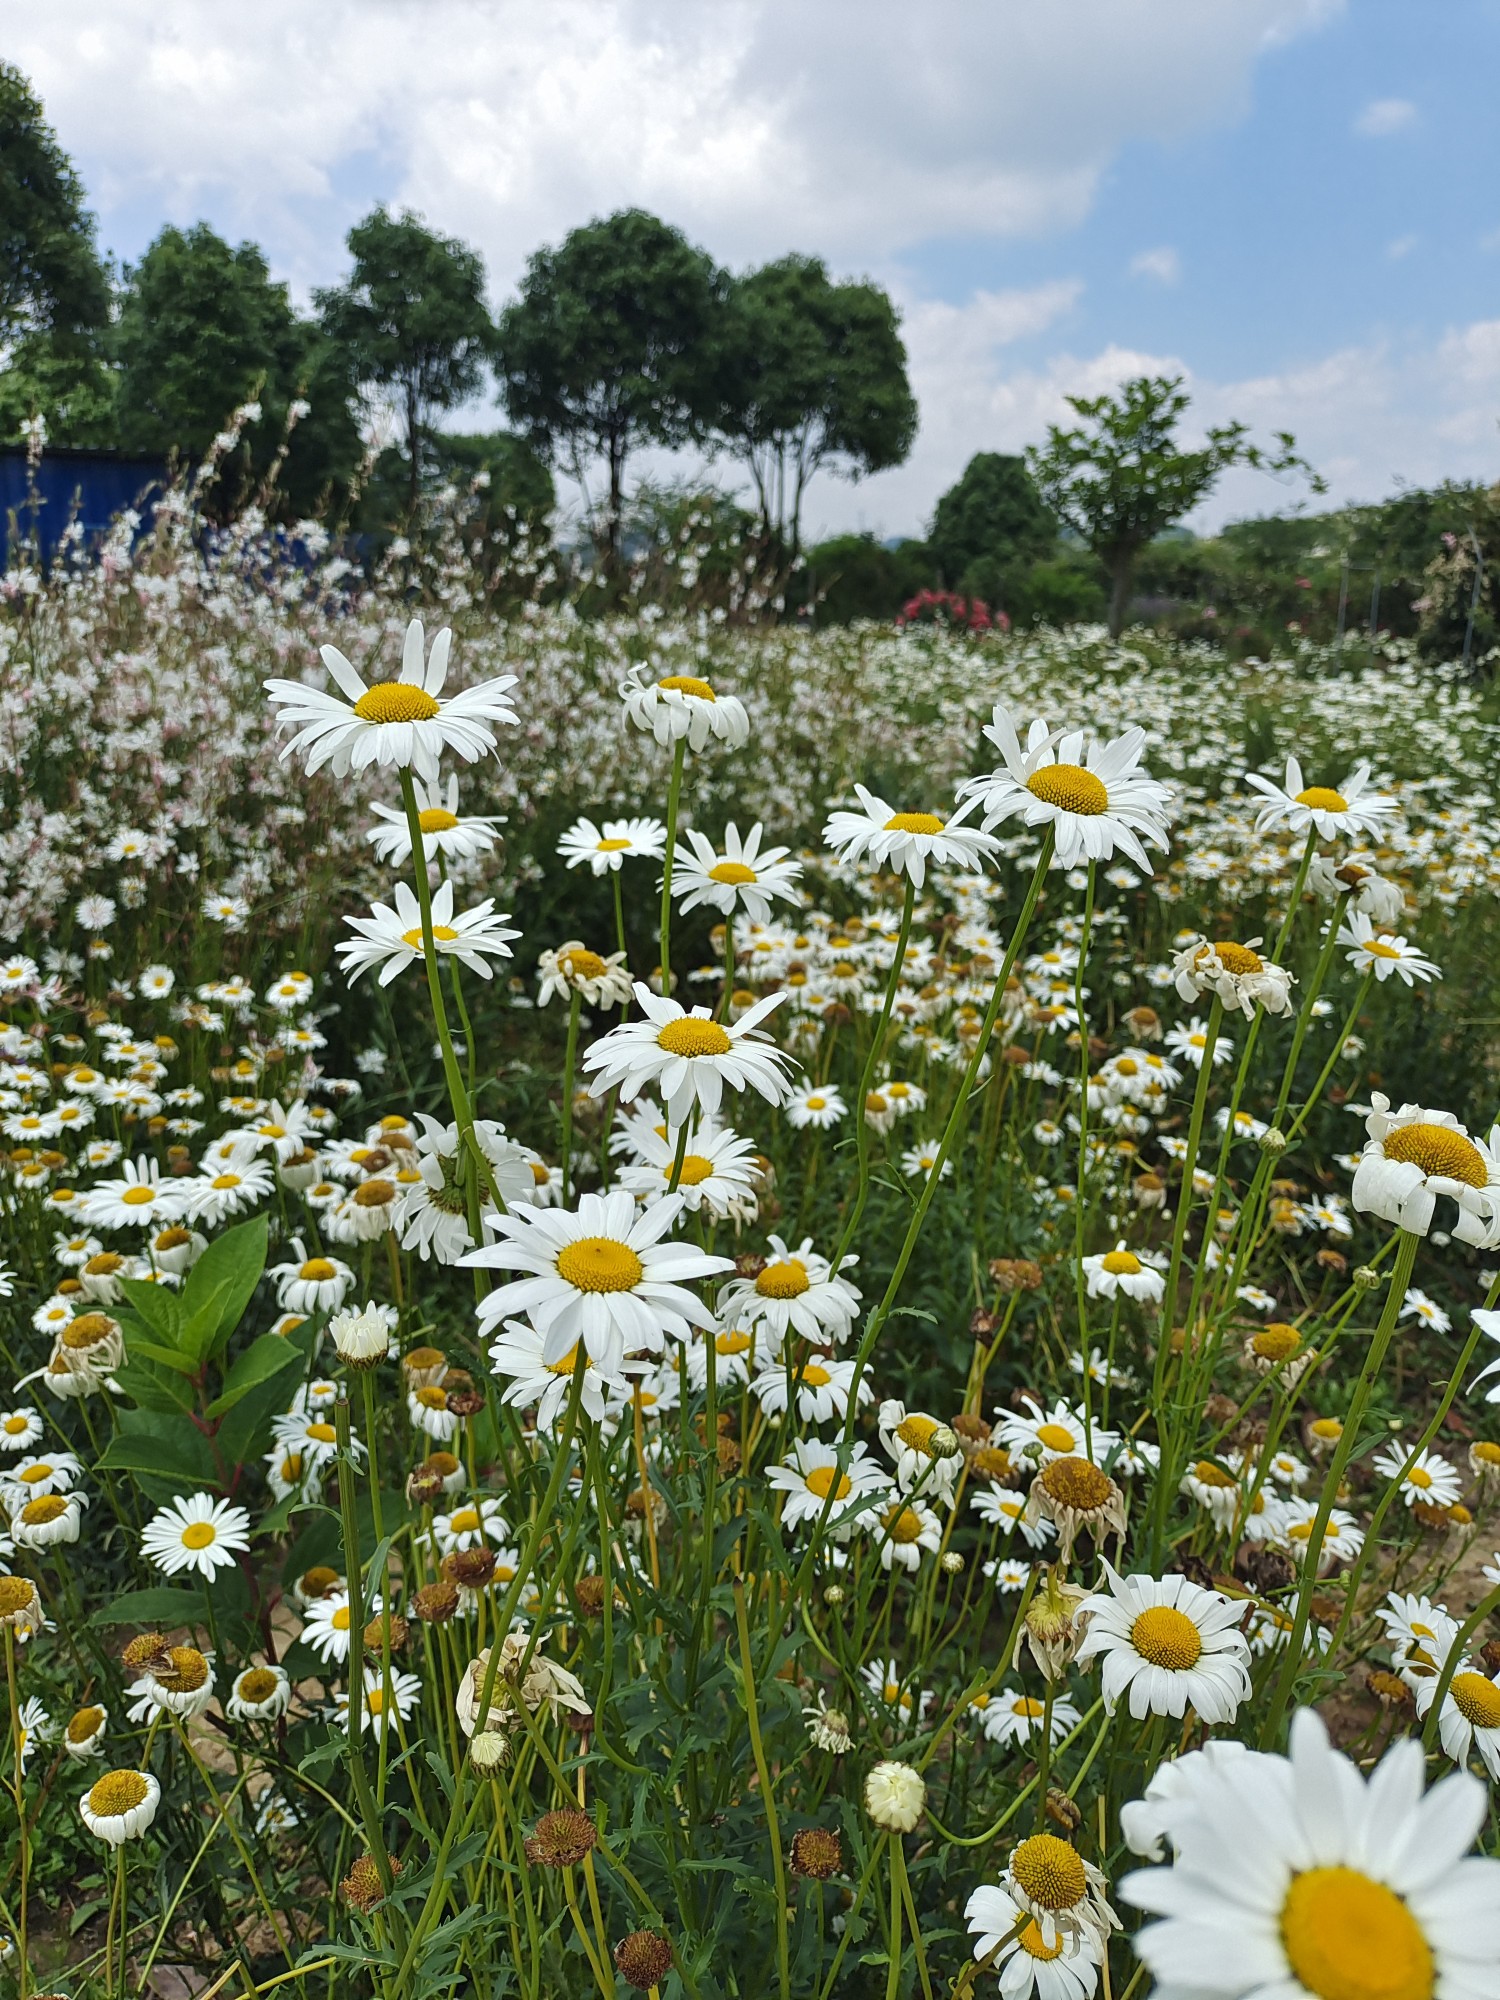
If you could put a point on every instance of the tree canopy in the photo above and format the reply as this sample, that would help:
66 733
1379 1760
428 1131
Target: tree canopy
412 320
1122 476
607 348
990 528
811 374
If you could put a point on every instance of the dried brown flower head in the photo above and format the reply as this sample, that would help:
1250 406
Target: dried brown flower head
816 1852
561 1839
643 1959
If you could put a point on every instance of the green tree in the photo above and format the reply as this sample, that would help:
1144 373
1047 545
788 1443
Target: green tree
608 348
202 329
412 320
1122 477
991 528
811 374
54 288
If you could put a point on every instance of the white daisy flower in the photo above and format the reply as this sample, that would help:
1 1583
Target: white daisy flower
1342 1538
120 1806
1428 1479
1299 1876
794 1293
214 1198
1096 798
605 848
516 1358
917 1445
741 878
907 841
83 1738
477 1524
902 1530
1237 973
811 1473
573 968
444 832
392 937
1337 814
1056 1433
48 1520
400 723
820 1384
1029 1967
718 1171
406 1692
1122 1271
688 1058
818 1106
20 1428
259 1694
683 708
327 1622
1470 1717
1010 1716
600 1274
1414 1155
197 1533
1006 1510
1170 1644
139 1198
1381 952
311 1284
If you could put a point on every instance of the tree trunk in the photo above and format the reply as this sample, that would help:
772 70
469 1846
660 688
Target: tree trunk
413 449
1121 572
616 503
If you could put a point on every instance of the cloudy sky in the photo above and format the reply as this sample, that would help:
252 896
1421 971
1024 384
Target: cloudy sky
1295 203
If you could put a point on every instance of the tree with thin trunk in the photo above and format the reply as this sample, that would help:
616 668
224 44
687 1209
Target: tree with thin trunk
608 348
1123 477
413 321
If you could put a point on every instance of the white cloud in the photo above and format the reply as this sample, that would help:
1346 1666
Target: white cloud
1401 246
1164 265
842 125
1385 116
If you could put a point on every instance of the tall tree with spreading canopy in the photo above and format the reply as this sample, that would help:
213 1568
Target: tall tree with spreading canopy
54 288
990 528
1122 477
412 320
812 374
608 348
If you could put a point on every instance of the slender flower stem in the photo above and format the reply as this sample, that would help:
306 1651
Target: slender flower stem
17 1742
767 1788
570 1057
674 795
369 1815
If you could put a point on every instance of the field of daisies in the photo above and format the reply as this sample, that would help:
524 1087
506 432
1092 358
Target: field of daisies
716 1311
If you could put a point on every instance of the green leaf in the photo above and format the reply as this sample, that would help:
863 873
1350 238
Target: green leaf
157 1307
268 1356
163 1451
221 1285
163 1357
241 1433
155 1388
163 1605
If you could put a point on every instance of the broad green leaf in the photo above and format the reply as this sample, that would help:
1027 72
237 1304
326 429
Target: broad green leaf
157 1307
154 1388
221 1285
242 1431
163 1450
163 1605
268 1356
163 1357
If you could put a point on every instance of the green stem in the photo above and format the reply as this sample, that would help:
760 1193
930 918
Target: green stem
767 1789
674 793
570 1056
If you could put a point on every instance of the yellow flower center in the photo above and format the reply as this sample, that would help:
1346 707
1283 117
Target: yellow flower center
583 964
188 1672
600 1264
916 1432
695 1170
1323 798
1056 1437
317 1271
199 1535
465 1521
1419 1476
117 1793
1029 1706
816 1103
1477 1699
257 1685
903 1524
814 1375
539 1173
321 1433
437 819
731 871
16 1426
441 934
1327 1429
826 1479
1238 959
375 1700
1350 1938
914 823
785 1279
1076 1484
139 1195
431 1397
1122 1263
1438 1150
688 684
690 1035
1209 1474
395 701
1070 788
1049 1871
735 1341
1277 1341
16 1594
1378 948
1167 1638
35 1474
568 1363
1486 1452
612 846
50 1507
1036 1946
340 1619
225 1181
84 1724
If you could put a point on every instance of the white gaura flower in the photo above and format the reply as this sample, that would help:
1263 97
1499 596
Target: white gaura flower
392 938
1024 1961
1383 953
688 1058
741 878
605 848
717 1174
600 1274
907 841
1335 814
813 1482
1095 797
1470 1716
795 1292
444 831
197 1533
400 723
1237 973
1121 1270
1300 1876
683 707
516 1359
1171 1644
1412 1156
120 1805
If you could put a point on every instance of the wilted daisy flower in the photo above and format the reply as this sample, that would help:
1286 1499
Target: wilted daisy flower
689 1059
1170 1643
1381 952
120 1805
259 1694
1334 814
47 1520
1368 891
1337 1884
197 1533
907 841
392 937
179 1681
1096 798
444 832
83 1735
795 1292
600 1274
605 848
362 1336
1414 1155
1010 1943
1236 973
813 1483
400 723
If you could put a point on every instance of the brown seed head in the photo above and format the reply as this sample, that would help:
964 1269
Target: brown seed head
375 1633
643 1959
562 1839
1016 1274
361 1886
147 1653
1063 1811
817 1852
435 1602
471 1567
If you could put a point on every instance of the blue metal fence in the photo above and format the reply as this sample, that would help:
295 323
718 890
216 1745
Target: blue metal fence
91 487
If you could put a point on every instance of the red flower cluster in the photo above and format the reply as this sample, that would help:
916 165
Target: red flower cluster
946 607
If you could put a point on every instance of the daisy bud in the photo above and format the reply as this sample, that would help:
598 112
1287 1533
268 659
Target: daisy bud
943 1442
488 1751
952 1563
1273 1142
643 1959
1364 1279
834 1594
362 1337
895 1796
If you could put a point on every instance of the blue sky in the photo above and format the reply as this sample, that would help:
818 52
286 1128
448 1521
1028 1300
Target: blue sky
1295 202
